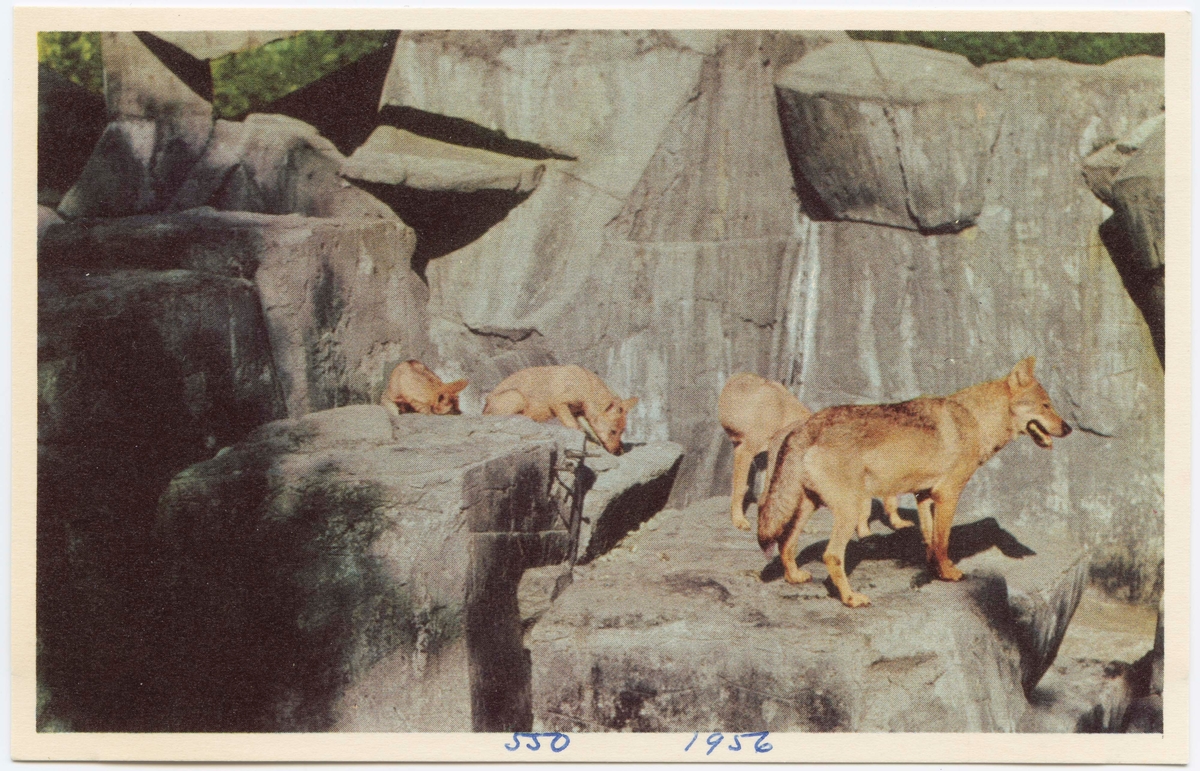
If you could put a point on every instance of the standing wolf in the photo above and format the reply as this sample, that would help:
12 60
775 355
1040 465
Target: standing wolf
843 456
753 410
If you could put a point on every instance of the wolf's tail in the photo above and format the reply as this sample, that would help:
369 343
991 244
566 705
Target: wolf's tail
784 487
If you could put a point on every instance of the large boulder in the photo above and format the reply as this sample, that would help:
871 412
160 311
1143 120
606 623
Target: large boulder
889 134
159 102
385 556
140 373
340 303
1129 175
682 627
274 164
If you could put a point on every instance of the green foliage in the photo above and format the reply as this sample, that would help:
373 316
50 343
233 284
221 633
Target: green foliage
75 55
984 47
247 81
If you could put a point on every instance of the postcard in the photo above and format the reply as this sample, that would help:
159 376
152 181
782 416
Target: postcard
414 385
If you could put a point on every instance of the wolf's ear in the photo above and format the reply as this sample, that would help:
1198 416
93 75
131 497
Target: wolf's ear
1022 374
453 388
629 403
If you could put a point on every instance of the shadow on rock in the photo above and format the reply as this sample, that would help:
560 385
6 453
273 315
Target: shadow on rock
906 546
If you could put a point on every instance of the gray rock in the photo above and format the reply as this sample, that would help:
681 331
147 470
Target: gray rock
629 489
681 626
395 157
1100 169
274 164
159 102
140 373
135 167
889 134
386 556
1079 696
340 303
599 97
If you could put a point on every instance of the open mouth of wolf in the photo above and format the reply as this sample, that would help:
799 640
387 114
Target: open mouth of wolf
1039 434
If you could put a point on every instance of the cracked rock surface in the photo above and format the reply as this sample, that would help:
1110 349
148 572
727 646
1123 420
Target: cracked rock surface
685 626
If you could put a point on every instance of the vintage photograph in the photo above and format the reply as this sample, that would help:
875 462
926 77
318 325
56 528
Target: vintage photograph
715 382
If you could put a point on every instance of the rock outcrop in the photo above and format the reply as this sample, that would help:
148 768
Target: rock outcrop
683 627
385 556
339 302
889 134
1129 176
70 121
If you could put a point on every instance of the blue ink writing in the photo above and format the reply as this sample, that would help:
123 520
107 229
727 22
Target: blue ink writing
558 741
714 740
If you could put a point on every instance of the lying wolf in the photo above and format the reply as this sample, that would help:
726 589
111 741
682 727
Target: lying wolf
412 387
567 393
753 410
843 456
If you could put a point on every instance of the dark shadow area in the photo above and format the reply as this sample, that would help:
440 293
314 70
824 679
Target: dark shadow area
70 121
905 546
114 428
814 206
458 131
1145 287
444 221
628 511
343 106
195 73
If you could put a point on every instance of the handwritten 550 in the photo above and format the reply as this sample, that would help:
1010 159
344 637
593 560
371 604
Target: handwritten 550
735 745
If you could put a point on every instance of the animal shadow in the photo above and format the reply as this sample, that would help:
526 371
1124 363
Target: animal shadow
906 546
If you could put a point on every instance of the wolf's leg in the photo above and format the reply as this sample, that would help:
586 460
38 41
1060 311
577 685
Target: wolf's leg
742 458
864 524
892 506
925 519
563 413
945 503
792 572
846 514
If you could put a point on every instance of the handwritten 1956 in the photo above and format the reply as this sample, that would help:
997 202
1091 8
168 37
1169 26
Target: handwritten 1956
714 740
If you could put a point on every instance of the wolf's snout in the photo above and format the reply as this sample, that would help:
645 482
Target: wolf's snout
1066 428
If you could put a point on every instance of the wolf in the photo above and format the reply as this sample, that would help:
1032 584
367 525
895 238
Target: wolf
413 387
843 456
566 392
753 411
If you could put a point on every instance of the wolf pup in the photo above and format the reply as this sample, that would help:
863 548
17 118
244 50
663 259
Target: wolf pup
841 457
753 410
412 387
567 393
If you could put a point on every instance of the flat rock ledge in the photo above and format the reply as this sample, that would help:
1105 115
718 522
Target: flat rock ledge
686 626
384 555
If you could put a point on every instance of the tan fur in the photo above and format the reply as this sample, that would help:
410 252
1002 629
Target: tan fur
843 456
753 411
564 392
413 387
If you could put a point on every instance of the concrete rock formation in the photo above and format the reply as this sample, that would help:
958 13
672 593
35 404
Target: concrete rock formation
889 134
682 626
862 222
385 554
1129 176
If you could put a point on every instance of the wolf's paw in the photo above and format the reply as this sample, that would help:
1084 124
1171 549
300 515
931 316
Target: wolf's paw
900 524
863 529
740 522
948 572
797 576
856 600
